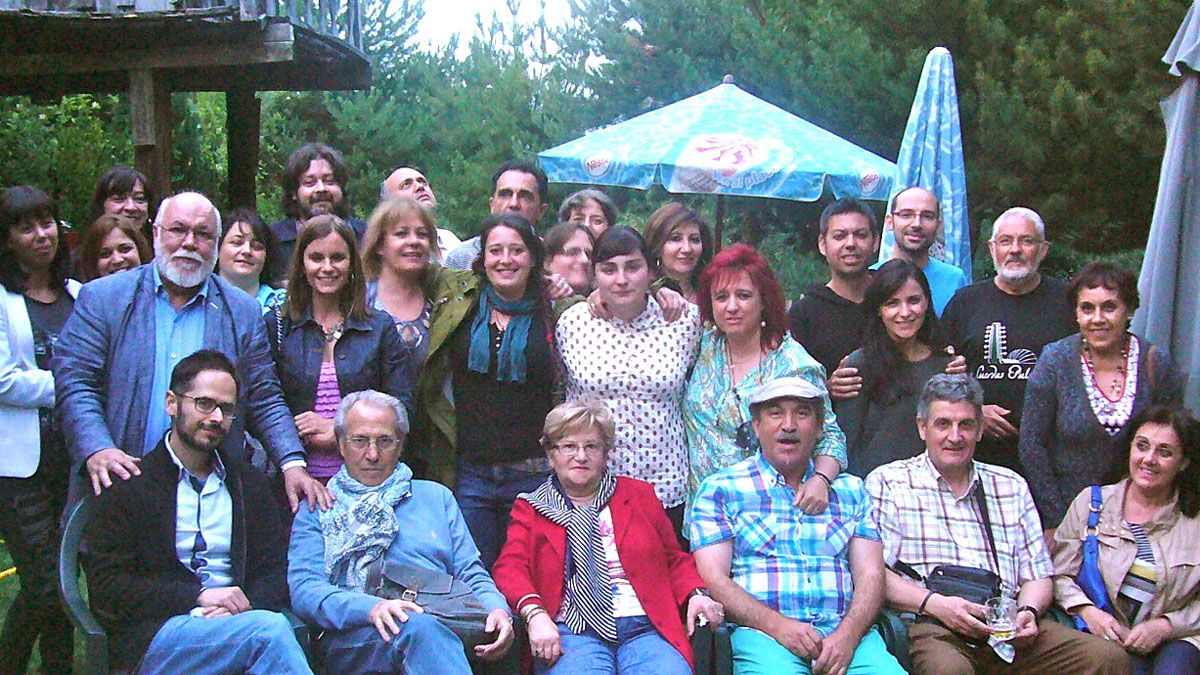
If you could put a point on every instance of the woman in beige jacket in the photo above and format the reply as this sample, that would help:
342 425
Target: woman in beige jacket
1149 538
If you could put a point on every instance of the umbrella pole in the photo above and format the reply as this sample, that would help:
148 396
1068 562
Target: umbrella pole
720 222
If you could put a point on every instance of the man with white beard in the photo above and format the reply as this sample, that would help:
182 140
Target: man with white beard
1001 325
114 357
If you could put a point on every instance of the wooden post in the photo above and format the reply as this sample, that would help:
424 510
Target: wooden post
150 113
243 114
720 233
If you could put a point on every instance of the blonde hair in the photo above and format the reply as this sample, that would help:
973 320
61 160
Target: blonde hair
587 412
388 213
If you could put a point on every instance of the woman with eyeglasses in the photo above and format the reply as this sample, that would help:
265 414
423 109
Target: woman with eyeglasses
328 343
585 529
747 346
36 298
569 255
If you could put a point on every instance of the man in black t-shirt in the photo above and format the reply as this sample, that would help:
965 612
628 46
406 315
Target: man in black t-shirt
1002 324
828 319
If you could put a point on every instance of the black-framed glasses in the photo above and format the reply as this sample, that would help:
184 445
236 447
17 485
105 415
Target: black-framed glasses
382 443
206 406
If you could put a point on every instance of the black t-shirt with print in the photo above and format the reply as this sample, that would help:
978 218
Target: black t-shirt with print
1002 336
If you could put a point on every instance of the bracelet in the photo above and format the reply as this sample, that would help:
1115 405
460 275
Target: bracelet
921 609
529 617
527 596
1031 609
827 479
529 609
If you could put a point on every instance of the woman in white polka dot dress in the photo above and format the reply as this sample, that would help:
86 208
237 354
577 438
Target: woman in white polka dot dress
637 362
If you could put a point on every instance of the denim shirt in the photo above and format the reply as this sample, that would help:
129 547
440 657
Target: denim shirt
369 355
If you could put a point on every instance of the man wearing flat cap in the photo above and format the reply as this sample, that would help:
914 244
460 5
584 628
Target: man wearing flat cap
803 590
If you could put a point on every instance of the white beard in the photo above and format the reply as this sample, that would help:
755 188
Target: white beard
182 277
1016 276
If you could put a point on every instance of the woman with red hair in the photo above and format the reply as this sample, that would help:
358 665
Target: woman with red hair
747 347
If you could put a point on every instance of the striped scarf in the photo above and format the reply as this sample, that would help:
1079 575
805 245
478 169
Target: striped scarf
587 599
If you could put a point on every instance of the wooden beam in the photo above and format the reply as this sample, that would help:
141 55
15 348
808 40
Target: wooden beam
273 45
243 115
150 114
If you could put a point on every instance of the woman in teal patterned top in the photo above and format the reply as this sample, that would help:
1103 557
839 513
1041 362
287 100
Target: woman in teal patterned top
748 346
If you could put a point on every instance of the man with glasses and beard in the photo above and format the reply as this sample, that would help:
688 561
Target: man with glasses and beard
1001 325
201 586
314 183
115 355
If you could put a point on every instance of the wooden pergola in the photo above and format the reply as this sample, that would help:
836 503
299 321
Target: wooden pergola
152 48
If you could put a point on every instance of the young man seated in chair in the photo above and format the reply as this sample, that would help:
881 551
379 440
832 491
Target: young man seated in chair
187 563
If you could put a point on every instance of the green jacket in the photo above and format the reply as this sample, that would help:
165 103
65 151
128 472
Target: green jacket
455 294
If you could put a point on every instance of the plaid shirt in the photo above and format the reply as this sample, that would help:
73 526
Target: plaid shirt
925 525
794 563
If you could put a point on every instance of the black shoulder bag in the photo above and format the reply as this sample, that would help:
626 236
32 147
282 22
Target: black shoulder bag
451 601
970 583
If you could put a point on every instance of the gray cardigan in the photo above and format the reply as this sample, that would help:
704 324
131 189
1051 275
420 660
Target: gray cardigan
1064 448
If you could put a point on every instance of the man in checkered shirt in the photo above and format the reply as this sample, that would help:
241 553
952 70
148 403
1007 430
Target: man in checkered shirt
928 515
804 590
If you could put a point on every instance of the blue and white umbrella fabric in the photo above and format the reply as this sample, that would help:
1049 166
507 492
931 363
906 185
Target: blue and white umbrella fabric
931 156
723 141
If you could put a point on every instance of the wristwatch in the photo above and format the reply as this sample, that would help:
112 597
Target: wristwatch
699 591
1030 608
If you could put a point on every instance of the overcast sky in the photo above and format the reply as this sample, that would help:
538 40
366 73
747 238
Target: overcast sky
446 18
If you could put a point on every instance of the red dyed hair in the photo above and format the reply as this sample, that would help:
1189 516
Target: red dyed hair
742 258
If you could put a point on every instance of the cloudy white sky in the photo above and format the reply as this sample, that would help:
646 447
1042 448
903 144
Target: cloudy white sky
445 18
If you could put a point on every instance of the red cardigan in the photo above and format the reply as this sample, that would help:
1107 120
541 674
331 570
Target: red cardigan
662 575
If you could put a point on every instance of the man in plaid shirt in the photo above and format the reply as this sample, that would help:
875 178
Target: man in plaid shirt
927 513
804 590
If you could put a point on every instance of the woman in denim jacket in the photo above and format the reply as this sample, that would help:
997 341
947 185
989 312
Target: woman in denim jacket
328 343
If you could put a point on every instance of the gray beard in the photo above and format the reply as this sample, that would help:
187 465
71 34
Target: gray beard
1014 277
183 278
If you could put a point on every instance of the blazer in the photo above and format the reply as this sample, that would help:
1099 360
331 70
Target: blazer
104 368
533 560
135 579
23 387
1175 539
369 355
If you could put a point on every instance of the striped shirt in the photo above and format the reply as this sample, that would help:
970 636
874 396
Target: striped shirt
792 562
923 523
1137 589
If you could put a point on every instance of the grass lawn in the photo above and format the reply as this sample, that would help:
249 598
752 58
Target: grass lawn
8 591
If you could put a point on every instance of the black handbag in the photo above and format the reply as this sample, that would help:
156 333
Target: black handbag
441 595
973 584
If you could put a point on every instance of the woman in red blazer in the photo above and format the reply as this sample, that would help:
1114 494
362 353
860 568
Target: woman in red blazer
592 564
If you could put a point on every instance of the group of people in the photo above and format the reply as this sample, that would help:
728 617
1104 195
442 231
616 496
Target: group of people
617 435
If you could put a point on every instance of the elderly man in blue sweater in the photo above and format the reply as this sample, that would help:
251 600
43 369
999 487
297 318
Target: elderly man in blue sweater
381 511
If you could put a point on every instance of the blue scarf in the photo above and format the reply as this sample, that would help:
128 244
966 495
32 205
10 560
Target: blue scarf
361 525
510 360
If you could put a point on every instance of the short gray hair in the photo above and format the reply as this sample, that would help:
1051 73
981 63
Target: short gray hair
1026 214
580 199
162 210
950 389
376 399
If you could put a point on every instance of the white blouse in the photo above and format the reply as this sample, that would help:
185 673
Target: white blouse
639 368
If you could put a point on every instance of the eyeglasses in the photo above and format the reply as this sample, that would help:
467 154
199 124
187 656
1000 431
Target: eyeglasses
382 443
592 450
206 406
180 232
1026 242
908 214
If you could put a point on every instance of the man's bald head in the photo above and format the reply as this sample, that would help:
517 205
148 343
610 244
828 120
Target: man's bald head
408 182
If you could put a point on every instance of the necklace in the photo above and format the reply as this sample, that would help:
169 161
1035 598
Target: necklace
1116 388
333 334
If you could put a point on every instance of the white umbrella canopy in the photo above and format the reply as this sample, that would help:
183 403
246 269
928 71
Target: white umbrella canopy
1169 285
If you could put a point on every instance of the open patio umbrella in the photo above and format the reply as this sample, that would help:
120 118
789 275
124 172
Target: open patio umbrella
1169 314
931 156
723 141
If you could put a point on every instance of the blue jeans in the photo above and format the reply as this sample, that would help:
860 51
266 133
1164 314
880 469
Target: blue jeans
486 493
1175 656
423 646
256 641
639 649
